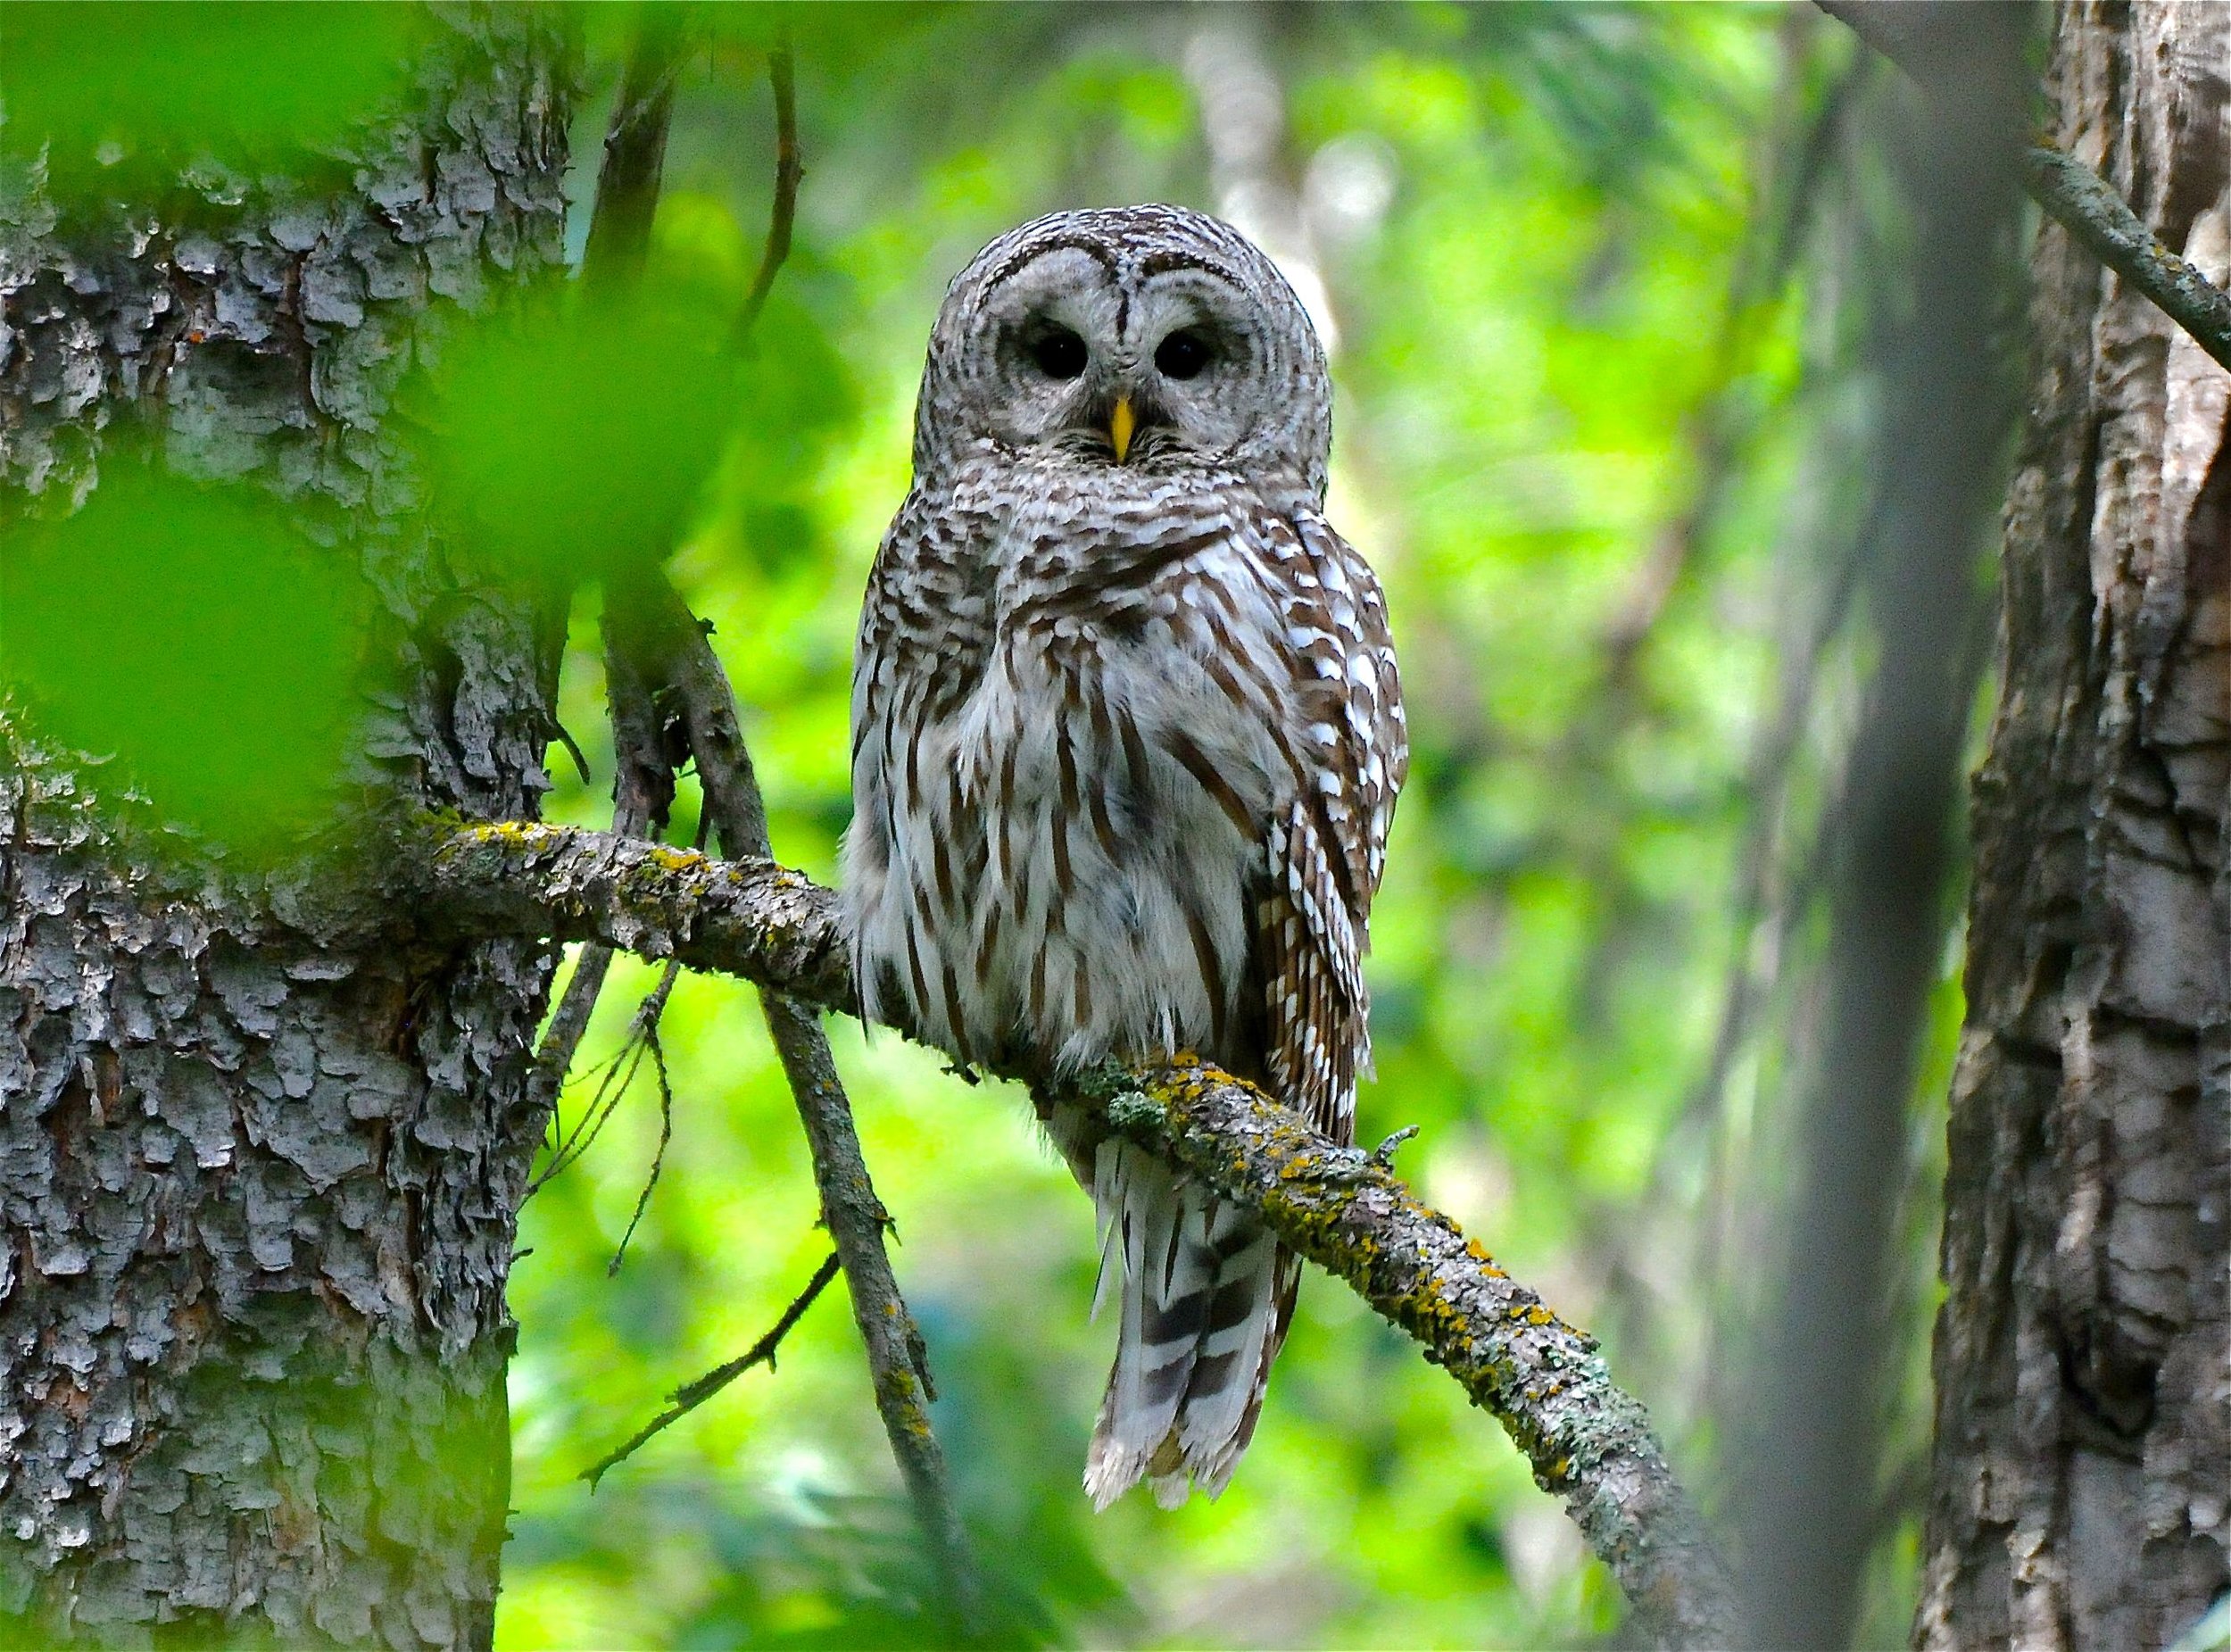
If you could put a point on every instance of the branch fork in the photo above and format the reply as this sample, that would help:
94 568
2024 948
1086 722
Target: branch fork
1342 1208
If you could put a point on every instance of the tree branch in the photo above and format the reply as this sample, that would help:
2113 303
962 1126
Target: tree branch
643 791
662 631
1586 1440
753 919
619 239
790 171
2074 195
634 153
2099 218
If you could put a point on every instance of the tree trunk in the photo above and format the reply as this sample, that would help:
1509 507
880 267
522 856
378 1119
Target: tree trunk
2083 1450
258 1183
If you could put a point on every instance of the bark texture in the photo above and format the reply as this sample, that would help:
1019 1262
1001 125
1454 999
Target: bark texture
2083 1450
258 1174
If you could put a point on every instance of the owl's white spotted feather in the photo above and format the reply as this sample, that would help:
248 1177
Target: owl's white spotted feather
1126 740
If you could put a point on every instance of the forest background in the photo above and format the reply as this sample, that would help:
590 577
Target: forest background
1609 293
1606 292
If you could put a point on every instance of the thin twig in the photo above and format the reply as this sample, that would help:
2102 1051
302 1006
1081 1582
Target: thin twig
639 797
659 635
617 1074
615 1078
642 797
693 1394
658 1155
789 172
569 1023
573 749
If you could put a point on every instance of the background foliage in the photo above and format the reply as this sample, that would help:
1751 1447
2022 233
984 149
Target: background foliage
1603 288
1598 286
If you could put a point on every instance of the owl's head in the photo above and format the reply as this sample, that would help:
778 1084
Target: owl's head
1146 336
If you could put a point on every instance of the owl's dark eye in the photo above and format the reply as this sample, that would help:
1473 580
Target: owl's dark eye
1058 352
1183 354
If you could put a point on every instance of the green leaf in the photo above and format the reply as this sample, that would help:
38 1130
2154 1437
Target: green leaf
576 434
126 93
191 633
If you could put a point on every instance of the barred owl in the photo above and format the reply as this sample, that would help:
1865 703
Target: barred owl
1126 737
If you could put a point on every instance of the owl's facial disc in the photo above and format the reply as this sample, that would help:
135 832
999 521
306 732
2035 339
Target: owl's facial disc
1117 366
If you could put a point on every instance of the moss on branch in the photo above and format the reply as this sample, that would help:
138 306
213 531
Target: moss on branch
1588 1440
751 917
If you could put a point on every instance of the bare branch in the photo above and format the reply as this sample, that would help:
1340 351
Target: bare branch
647 1034
1587 1441
634 153
789 172
654 647
569 1025
693 1394
749 918
619 235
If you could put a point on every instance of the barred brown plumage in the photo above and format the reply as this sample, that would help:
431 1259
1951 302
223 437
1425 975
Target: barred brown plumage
1127 739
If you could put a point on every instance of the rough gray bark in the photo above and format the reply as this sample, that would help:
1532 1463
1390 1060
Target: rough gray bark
258 1176
2082 1465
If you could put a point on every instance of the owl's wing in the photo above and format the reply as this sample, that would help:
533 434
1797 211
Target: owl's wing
1351 749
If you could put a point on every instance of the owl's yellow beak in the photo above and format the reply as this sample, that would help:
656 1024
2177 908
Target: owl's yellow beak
1121 423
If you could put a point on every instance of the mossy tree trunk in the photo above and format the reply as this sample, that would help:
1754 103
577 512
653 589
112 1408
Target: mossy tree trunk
258 1182
2082 1468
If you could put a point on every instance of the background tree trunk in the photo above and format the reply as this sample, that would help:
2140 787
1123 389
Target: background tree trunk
2083 1450
257 1189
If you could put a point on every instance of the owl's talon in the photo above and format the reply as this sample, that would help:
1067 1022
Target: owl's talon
965 1073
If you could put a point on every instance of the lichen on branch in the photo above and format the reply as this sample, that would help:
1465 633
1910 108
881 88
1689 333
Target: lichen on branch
752 918
1587 1440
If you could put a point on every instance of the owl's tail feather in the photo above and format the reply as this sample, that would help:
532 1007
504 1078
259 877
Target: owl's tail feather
1205 1295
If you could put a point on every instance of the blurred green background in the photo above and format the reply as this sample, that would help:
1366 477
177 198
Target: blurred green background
1599 285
